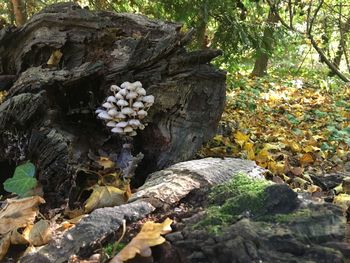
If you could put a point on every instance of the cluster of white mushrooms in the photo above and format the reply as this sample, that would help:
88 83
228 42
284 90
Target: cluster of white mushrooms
124 110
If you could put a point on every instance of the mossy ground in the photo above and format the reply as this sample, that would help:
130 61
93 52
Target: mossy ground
229 200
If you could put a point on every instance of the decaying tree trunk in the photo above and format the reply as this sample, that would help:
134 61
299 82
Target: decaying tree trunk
48 115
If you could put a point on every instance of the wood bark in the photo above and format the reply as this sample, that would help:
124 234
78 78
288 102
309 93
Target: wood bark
260 66
48 116
19 12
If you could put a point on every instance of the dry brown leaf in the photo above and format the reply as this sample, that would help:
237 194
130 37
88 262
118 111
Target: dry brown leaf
150 235
19 212
104 196
17 238
306 159
38 234
5 243
73 213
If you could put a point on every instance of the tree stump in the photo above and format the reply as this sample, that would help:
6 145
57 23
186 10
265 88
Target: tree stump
48 115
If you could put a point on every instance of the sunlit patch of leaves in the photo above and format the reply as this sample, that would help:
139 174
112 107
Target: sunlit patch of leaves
290 126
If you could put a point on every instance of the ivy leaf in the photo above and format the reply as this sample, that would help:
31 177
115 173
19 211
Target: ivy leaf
22 181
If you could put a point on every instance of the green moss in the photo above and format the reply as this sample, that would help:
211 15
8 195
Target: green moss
287 218
229 200
108 249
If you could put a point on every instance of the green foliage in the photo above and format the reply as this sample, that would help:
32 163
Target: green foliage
231 199
23 180
113 247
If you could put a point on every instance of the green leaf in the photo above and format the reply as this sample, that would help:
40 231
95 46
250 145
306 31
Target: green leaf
22 181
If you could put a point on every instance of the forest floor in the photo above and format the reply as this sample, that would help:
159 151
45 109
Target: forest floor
293 127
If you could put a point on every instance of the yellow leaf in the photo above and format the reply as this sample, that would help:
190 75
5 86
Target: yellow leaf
295 146
249 147
270 146
38 234
19 212
342 200
241 138
104 196
264 156
276 167
55 58
311 148
150 235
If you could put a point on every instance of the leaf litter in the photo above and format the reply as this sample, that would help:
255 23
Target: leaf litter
293 131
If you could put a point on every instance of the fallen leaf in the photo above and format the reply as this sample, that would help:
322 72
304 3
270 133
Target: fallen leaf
55 58
104 196
19 212
311 148
38 234
150 235
241 138
306 159
5 243
22 181
17 238
297 171
73 213
342 200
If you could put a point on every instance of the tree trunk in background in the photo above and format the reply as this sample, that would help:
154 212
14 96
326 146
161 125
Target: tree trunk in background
19 12
343 29
260 66
48 115
201 28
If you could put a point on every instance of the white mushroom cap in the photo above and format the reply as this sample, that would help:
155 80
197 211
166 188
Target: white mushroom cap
128 129
122 103
108 105
98 111
117 130
123 92
120 116
142 114
132 95
125 84
141 91
131 87
149 99
134 123
111 124
138 105
104 115
122 124
115 88
113 112
133 133
137 84
119 96
128 111
111 99
141 127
